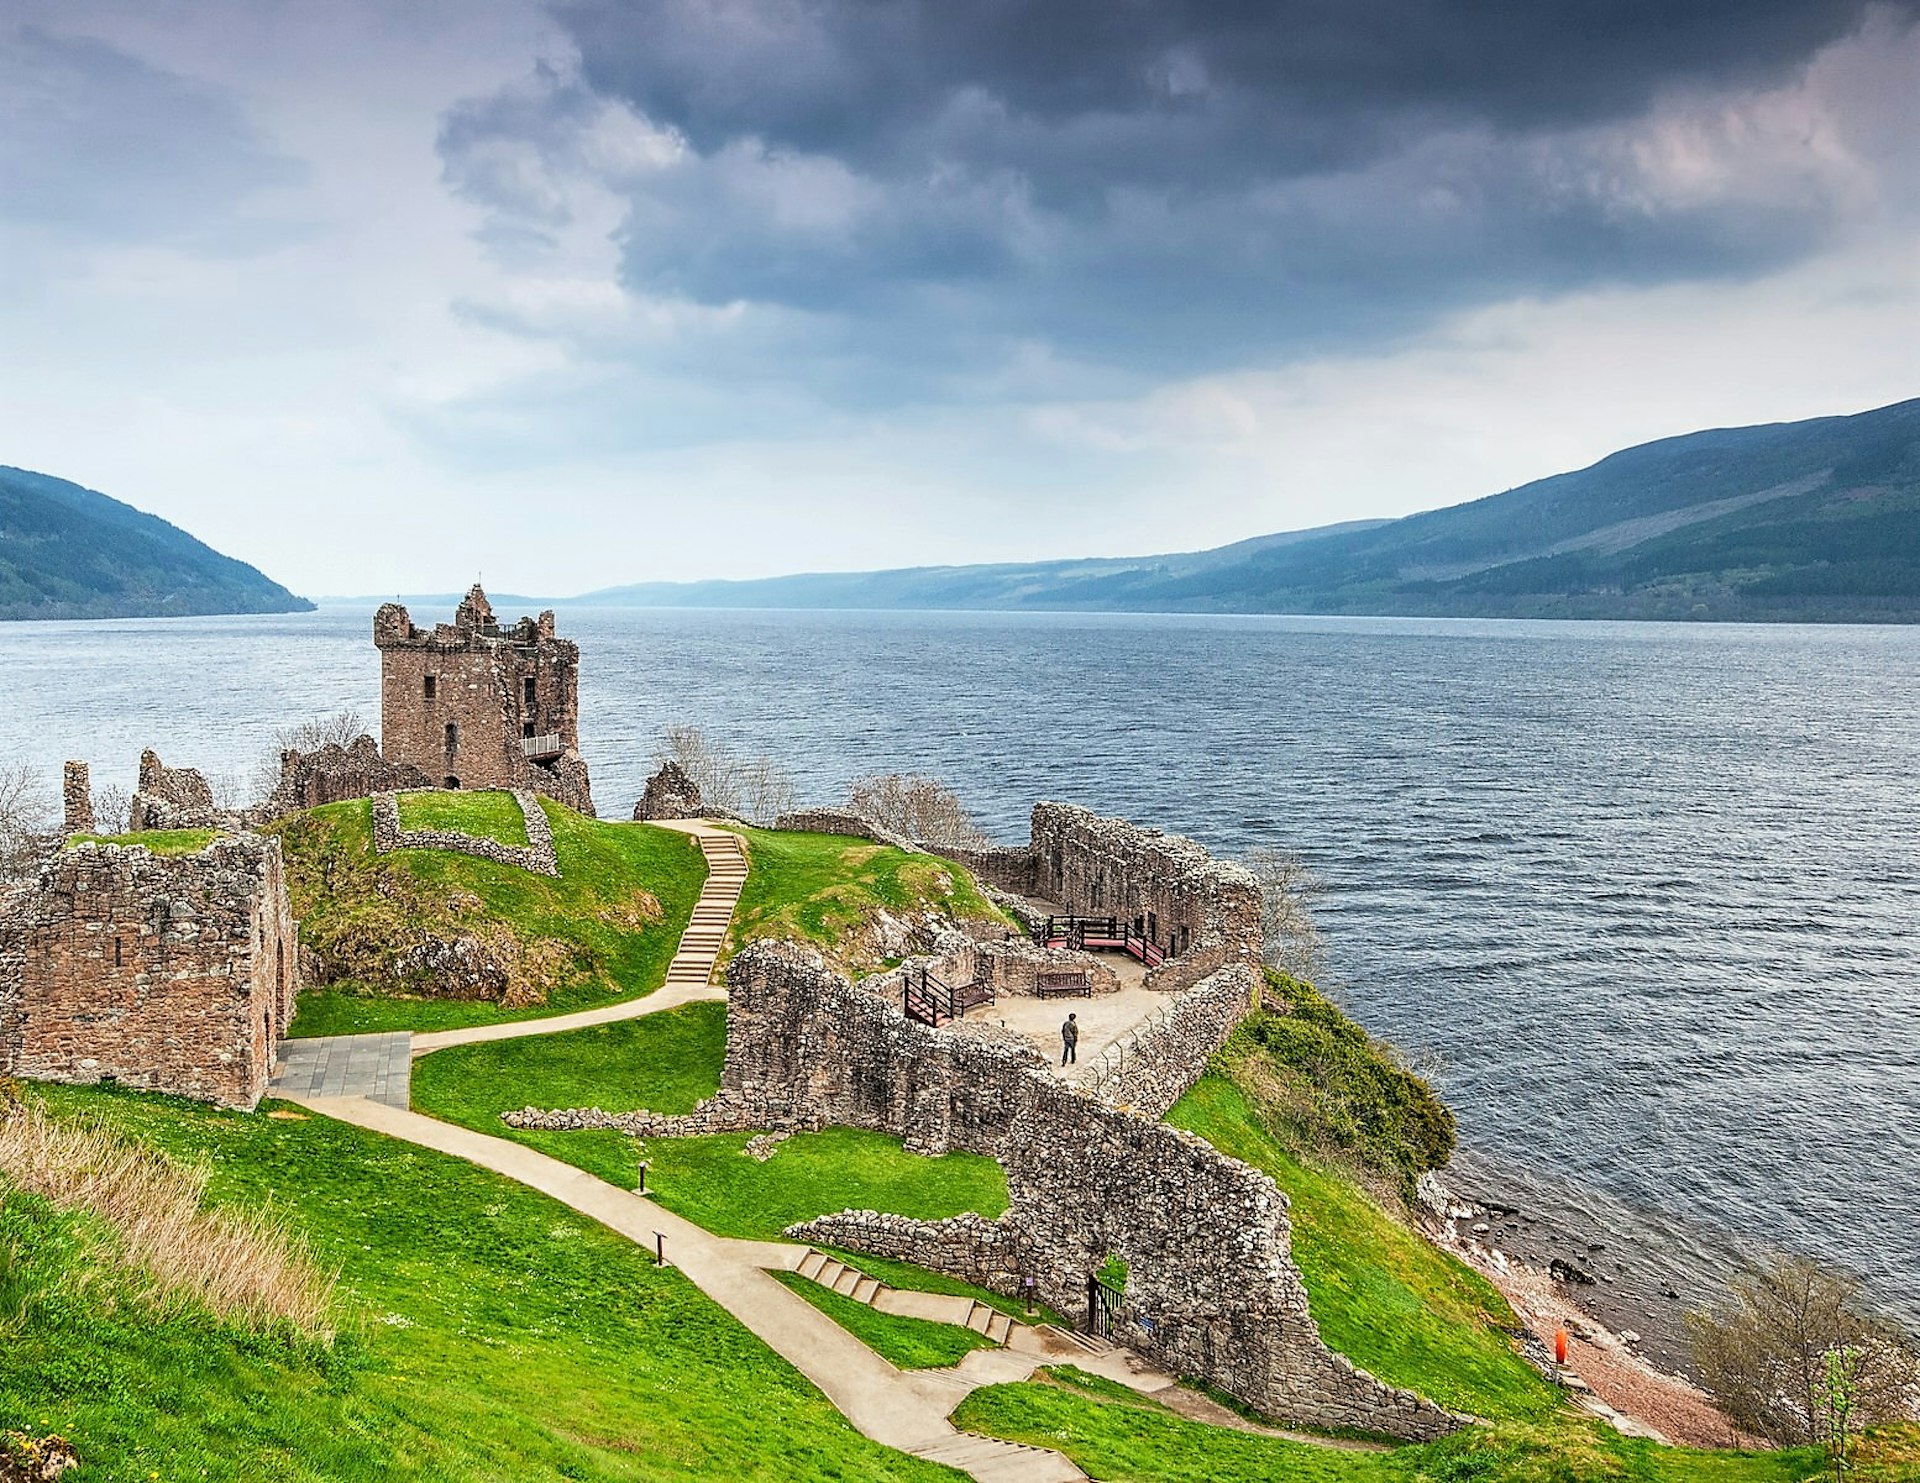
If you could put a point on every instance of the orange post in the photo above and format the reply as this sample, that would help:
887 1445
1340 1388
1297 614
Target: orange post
1560 1346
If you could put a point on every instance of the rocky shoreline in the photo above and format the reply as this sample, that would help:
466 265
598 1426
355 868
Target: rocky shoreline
1620 1296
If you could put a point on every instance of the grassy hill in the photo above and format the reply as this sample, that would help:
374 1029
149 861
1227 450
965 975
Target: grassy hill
484 1332
605 929
68 552
1816 521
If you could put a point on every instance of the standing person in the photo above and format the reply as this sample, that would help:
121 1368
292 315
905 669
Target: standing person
1070 1040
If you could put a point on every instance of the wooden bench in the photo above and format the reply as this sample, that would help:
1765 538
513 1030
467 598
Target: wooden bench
1075 983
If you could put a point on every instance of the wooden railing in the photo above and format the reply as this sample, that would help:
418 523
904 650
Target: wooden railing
541 748
930 999
1098 934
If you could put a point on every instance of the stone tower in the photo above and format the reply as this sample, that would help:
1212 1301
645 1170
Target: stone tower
476 705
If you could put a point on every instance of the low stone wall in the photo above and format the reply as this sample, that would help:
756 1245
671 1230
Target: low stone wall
333 773
171 973
1152 1066
1212 1289
1013 965
840 821
536 855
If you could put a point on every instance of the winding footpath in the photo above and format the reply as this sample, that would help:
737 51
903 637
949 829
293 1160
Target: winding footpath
360 1079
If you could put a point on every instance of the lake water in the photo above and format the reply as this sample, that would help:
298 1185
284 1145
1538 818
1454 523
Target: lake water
1645 895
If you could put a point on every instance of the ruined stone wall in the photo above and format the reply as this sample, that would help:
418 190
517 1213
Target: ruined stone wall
457 700
840 821
1013 966
1205 912
1154 1064
171 798
536 855
76 797
333 773
1212 1289
167 973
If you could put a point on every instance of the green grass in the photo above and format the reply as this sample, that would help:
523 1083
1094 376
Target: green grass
906 1343
665 1062
604 930
491 815
156 841
909 1278
1133 1440
1382 1295
822 888
487 1332
713 1184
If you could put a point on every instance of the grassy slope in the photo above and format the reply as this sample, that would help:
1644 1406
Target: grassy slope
489 1333
607 948
1382 1295
819 888
666 1062
907 1343
1125 1441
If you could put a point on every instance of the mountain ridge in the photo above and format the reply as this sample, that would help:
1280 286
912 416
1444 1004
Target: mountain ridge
71 552
1817 520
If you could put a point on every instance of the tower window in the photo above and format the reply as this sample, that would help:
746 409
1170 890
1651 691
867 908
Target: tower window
529 691
429 687
453 736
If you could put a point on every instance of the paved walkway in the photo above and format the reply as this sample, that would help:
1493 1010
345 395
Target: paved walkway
377 1067
905 1411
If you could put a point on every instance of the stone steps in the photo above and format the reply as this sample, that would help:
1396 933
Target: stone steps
851 1282
993 1461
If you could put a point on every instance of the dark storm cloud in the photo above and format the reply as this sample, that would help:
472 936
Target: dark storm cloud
96 142
1079 93
1176 185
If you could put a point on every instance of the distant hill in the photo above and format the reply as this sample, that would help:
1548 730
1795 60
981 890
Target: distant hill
1806 521
67 552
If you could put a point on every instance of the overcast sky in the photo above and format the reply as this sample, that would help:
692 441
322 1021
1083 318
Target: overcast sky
379 296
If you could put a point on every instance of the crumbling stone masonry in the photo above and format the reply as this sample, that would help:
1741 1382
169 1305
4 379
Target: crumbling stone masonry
76 797
476 705
536 855
843 821
171 798
1212 1288
670 794
1205 912
171 973
333 773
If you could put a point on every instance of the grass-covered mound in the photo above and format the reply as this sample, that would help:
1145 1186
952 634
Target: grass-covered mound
1124 1438
839 894
374 928
666 1063
489 815
485 1332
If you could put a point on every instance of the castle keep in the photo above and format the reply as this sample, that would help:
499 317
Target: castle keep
474 705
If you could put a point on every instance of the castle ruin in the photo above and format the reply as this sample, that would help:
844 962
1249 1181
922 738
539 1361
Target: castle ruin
170 973
472 704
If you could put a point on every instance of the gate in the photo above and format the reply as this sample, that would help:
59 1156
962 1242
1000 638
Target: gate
1104 1306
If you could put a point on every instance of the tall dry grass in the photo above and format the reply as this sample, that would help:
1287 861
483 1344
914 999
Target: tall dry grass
246 1267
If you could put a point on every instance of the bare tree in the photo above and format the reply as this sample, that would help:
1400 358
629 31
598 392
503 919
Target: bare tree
922 809
1288 890
112 806
27 821
757 789
343 728
1765 1354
